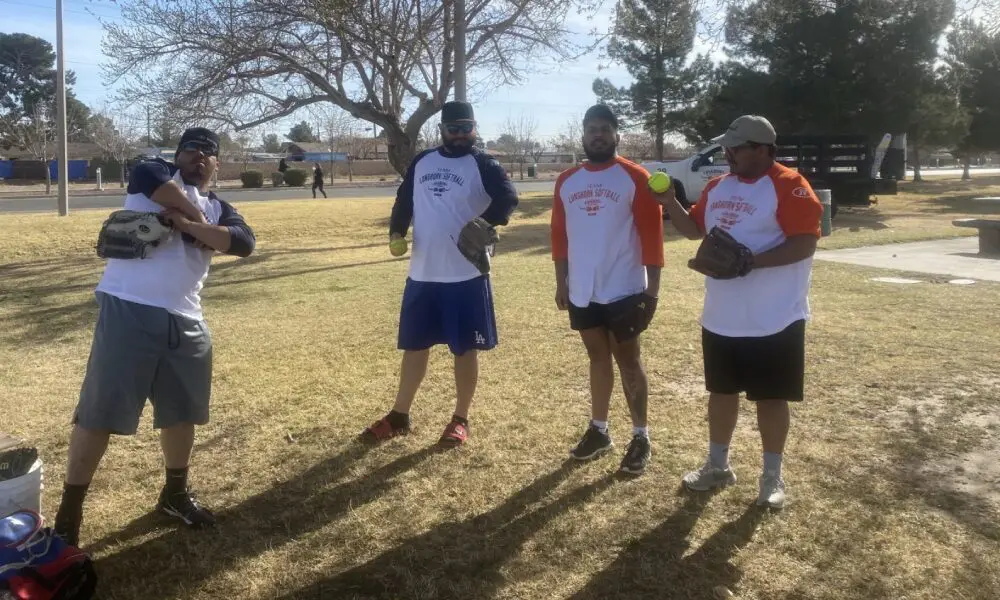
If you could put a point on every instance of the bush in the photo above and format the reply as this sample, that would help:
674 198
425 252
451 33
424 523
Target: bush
277 178
252 179
296 177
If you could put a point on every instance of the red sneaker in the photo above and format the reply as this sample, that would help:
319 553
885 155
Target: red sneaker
454 434
383 430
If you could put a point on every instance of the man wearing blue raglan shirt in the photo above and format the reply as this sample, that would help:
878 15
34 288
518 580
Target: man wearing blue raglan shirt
446 299
151 340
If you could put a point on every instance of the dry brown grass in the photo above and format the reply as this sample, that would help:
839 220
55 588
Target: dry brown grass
921 210
902 384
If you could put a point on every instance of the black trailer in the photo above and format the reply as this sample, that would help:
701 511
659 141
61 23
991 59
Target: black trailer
839 163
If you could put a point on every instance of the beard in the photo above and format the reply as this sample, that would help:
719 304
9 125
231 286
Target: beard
602 154
457 147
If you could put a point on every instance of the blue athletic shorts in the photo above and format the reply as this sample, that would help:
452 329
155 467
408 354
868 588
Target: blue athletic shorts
459 314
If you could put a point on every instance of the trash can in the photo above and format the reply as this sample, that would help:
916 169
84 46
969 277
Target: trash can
826 199
23 492
531 170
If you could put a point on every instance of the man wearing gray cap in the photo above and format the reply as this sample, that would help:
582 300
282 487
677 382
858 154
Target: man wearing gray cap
753 325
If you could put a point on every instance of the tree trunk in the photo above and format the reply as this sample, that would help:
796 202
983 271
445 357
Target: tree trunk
916 164
966 161
48 179
658 129
350 169
402 149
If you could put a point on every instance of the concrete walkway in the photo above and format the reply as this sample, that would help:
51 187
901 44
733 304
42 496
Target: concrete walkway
957 257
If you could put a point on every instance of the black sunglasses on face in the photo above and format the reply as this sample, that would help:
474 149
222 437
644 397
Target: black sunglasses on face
206 149
455 128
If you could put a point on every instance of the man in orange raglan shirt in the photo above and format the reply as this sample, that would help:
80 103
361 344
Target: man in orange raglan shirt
607 244
753 327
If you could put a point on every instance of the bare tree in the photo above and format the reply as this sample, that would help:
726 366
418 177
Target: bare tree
430 135
35 134
570 140
248 62
537 150
116 132
517 138
637 146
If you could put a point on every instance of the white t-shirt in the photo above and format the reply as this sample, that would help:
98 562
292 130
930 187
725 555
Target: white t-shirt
760 214
173 276
442 194
607 226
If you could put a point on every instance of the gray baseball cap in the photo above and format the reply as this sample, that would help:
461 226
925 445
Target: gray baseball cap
748 128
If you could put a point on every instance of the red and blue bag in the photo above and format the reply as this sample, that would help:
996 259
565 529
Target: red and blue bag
37 564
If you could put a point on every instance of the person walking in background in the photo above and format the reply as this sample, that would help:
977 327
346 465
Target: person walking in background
318 180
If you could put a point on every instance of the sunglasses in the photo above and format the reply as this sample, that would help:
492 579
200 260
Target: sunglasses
456 128
207 149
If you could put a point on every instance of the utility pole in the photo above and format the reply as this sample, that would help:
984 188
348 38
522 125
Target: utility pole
460 84
62 155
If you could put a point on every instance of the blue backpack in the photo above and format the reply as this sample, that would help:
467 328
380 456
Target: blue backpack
37 564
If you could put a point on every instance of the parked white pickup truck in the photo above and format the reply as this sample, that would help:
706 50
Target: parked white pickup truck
692 174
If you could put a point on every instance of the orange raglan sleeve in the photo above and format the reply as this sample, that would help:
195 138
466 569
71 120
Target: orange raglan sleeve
799 209
559 235
648 216
697 212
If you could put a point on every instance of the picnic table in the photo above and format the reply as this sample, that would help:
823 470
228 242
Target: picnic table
989 234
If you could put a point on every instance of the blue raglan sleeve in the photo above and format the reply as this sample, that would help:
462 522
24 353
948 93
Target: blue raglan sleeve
402 209
242 238
148 176
499 187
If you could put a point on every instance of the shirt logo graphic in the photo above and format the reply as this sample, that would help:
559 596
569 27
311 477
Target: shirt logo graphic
800 192
441 182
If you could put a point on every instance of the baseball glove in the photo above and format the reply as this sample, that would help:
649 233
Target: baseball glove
476 242
128 234
720 256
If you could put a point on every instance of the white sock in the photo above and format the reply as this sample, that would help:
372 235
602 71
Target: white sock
718 455
643 431
772 463
601 425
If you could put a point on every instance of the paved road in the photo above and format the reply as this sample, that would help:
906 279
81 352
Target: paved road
43 204
114 200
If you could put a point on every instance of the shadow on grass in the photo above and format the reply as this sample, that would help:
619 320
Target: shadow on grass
458 560
936 185
184 559
281 275
264 255
914 451
655 567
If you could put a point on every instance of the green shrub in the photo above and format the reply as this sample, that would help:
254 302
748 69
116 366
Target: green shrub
252 179
296 177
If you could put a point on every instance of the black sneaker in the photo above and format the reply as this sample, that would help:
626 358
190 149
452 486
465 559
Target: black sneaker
593 444
183 506
636 456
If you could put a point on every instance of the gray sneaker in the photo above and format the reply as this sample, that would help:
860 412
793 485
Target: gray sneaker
772 491
709 477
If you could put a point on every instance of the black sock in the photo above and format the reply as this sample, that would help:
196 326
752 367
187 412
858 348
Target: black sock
176 481
70 513
398 420
460 420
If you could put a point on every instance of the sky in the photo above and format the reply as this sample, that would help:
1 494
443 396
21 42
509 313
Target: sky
551 97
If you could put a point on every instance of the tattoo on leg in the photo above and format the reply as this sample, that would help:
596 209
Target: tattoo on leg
638 392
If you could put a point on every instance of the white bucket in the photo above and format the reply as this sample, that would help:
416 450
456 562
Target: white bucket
22 492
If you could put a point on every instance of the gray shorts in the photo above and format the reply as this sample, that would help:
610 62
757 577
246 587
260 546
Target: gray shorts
141 352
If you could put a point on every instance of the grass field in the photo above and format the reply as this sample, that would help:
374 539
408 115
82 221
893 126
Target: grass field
891 462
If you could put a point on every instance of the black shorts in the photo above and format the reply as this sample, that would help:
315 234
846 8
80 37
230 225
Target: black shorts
625 318
766 368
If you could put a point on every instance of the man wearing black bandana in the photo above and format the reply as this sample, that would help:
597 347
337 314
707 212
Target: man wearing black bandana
151 340
446 300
